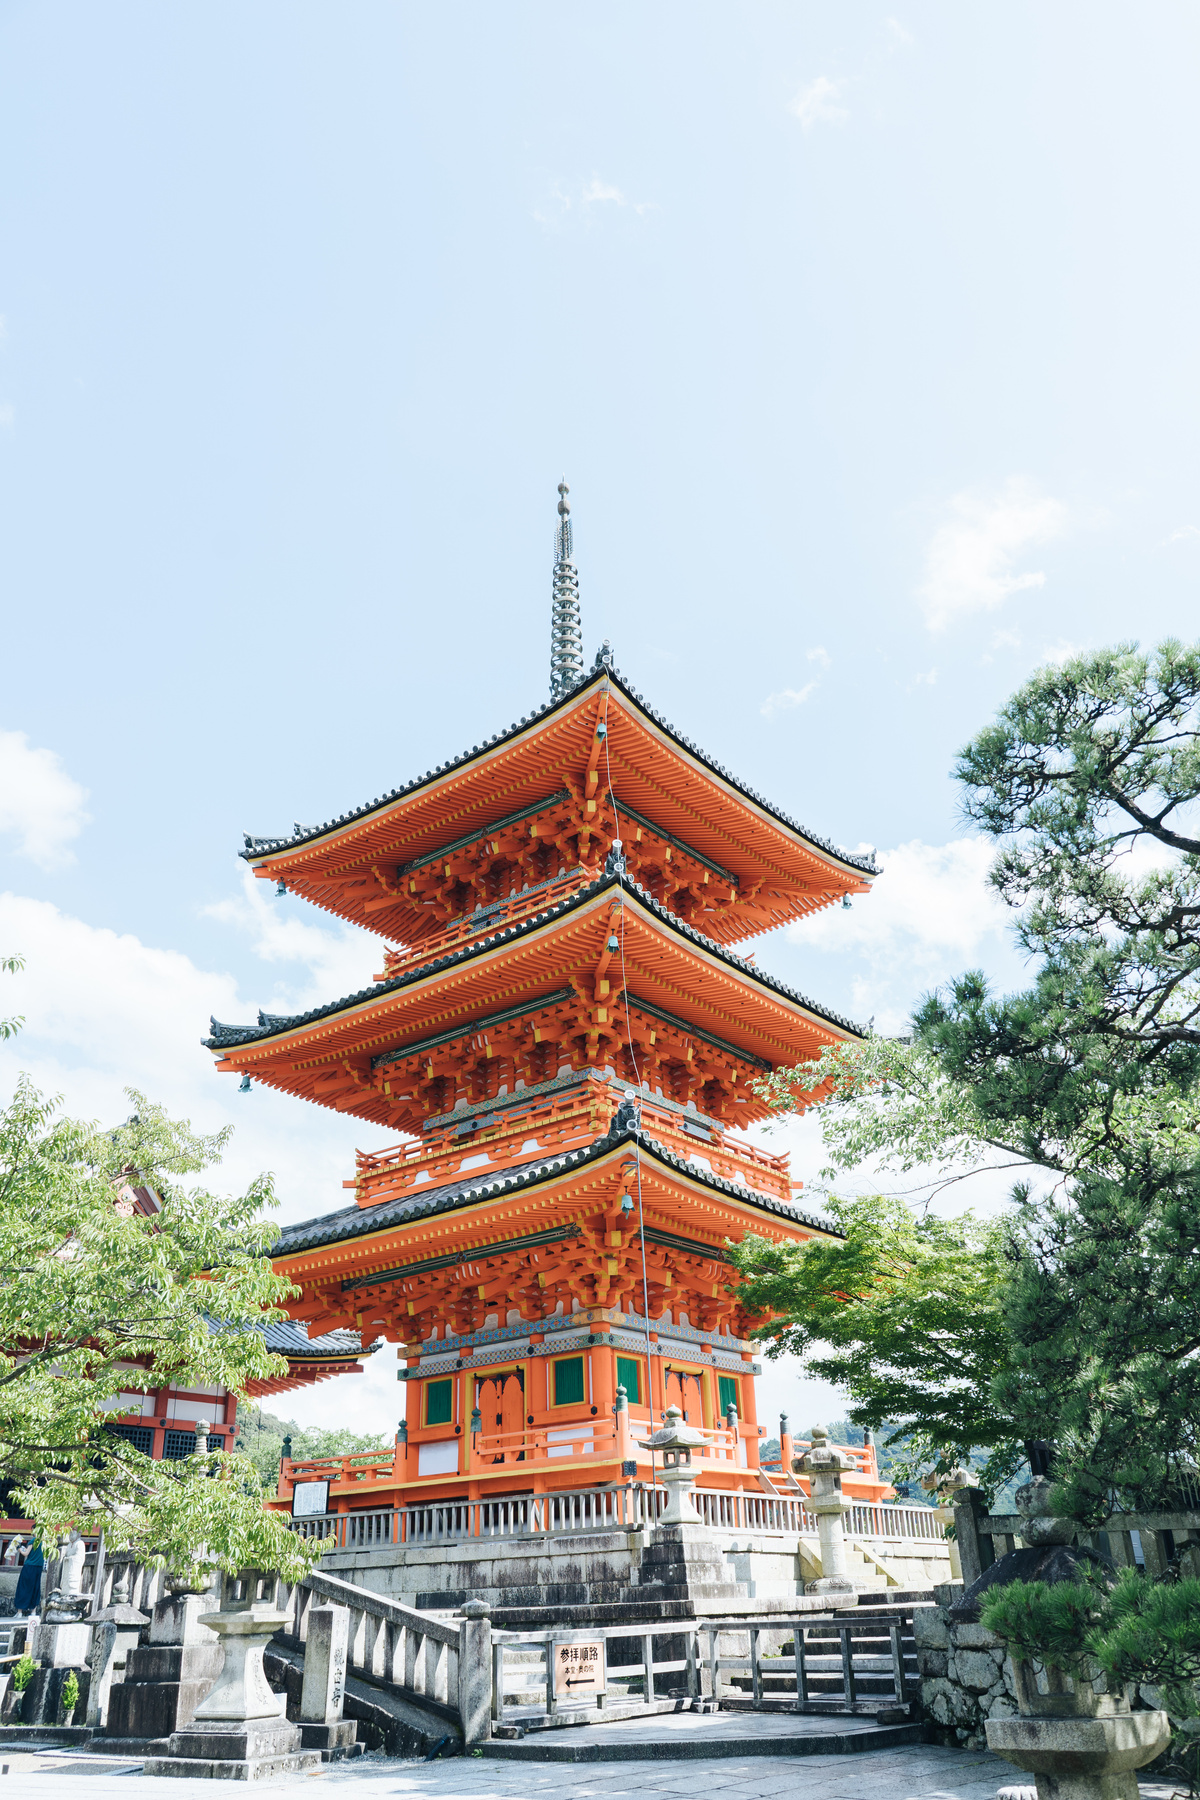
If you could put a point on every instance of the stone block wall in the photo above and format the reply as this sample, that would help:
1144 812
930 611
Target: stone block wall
966 1674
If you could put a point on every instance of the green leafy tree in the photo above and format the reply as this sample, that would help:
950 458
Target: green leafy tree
904 1313
1087 1083
98 1298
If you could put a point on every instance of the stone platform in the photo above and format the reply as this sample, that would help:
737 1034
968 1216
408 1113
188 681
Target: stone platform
701 1736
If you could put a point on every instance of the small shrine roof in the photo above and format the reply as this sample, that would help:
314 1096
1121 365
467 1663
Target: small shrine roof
227 1037
356 1221
305 834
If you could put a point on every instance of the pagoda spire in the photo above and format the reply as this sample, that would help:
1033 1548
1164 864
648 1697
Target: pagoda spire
566 638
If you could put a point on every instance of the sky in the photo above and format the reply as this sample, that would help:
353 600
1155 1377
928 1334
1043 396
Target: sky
866 342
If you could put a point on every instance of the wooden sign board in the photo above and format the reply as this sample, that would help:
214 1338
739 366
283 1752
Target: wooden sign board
579 1669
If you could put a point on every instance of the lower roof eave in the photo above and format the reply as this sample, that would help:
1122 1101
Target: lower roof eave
391 1217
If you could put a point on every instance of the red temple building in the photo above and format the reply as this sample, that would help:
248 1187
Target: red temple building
564 1039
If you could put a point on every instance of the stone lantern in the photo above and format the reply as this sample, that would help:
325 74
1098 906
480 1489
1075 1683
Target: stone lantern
823 1465
675 1443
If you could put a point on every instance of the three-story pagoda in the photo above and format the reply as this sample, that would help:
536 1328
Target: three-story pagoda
565 1041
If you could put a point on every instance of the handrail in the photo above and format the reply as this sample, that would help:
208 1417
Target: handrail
347 1593
839 1664
384 1174
445 1667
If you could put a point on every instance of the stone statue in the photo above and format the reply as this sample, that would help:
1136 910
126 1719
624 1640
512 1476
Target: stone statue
70 1579
68 1602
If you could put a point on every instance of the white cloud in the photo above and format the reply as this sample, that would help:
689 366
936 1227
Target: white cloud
931 914
601 190
785 699
563 200
929 679
1061 651
1006 640
1181 536
898 37
818 103
334 959
820 656
969 562
39 802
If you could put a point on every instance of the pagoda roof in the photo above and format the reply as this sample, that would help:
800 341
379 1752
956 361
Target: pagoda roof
227 1037
482 1190
658 771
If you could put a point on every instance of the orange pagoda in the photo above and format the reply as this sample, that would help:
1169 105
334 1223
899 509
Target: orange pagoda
564 1039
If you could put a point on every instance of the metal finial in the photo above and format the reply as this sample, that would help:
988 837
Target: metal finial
566 637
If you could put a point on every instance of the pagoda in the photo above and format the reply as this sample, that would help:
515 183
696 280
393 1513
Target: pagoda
565 1040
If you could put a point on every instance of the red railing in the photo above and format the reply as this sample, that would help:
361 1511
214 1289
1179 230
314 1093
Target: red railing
481 923
555 1122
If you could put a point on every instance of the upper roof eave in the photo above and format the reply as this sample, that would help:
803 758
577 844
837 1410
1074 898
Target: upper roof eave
260 850
229 1037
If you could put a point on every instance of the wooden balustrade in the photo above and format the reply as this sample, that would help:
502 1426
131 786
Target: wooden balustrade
509 909
1146 1540
556 1122
832 1665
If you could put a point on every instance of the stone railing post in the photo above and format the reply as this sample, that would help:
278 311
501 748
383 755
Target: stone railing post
475 1673
976 1551
323 1695
325 1654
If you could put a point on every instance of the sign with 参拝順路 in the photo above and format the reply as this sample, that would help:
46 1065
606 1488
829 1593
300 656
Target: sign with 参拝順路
579 1668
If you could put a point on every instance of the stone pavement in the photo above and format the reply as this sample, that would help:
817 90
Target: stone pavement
913 1772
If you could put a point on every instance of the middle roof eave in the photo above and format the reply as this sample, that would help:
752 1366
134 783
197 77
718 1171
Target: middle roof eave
227 1038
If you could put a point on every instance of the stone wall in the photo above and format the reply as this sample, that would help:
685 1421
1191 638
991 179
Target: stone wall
603 1569
580 1570
966 1674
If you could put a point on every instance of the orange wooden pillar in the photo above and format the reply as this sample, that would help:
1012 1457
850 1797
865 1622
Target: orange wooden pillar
604 1387
750 1435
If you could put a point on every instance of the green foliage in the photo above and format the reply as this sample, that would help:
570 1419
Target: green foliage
904 1313
69 1698
97 1298
1137 1631
1053 1622
10 965
1151 1633
1088 779
260 1436
22 1673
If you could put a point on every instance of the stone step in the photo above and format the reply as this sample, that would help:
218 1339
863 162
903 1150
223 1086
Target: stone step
594 1745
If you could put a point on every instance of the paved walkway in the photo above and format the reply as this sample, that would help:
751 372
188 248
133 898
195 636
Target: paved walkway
914 1772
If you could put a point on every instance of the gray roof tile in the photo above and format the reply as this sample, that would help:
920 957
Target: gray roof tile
266 846
356 1221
